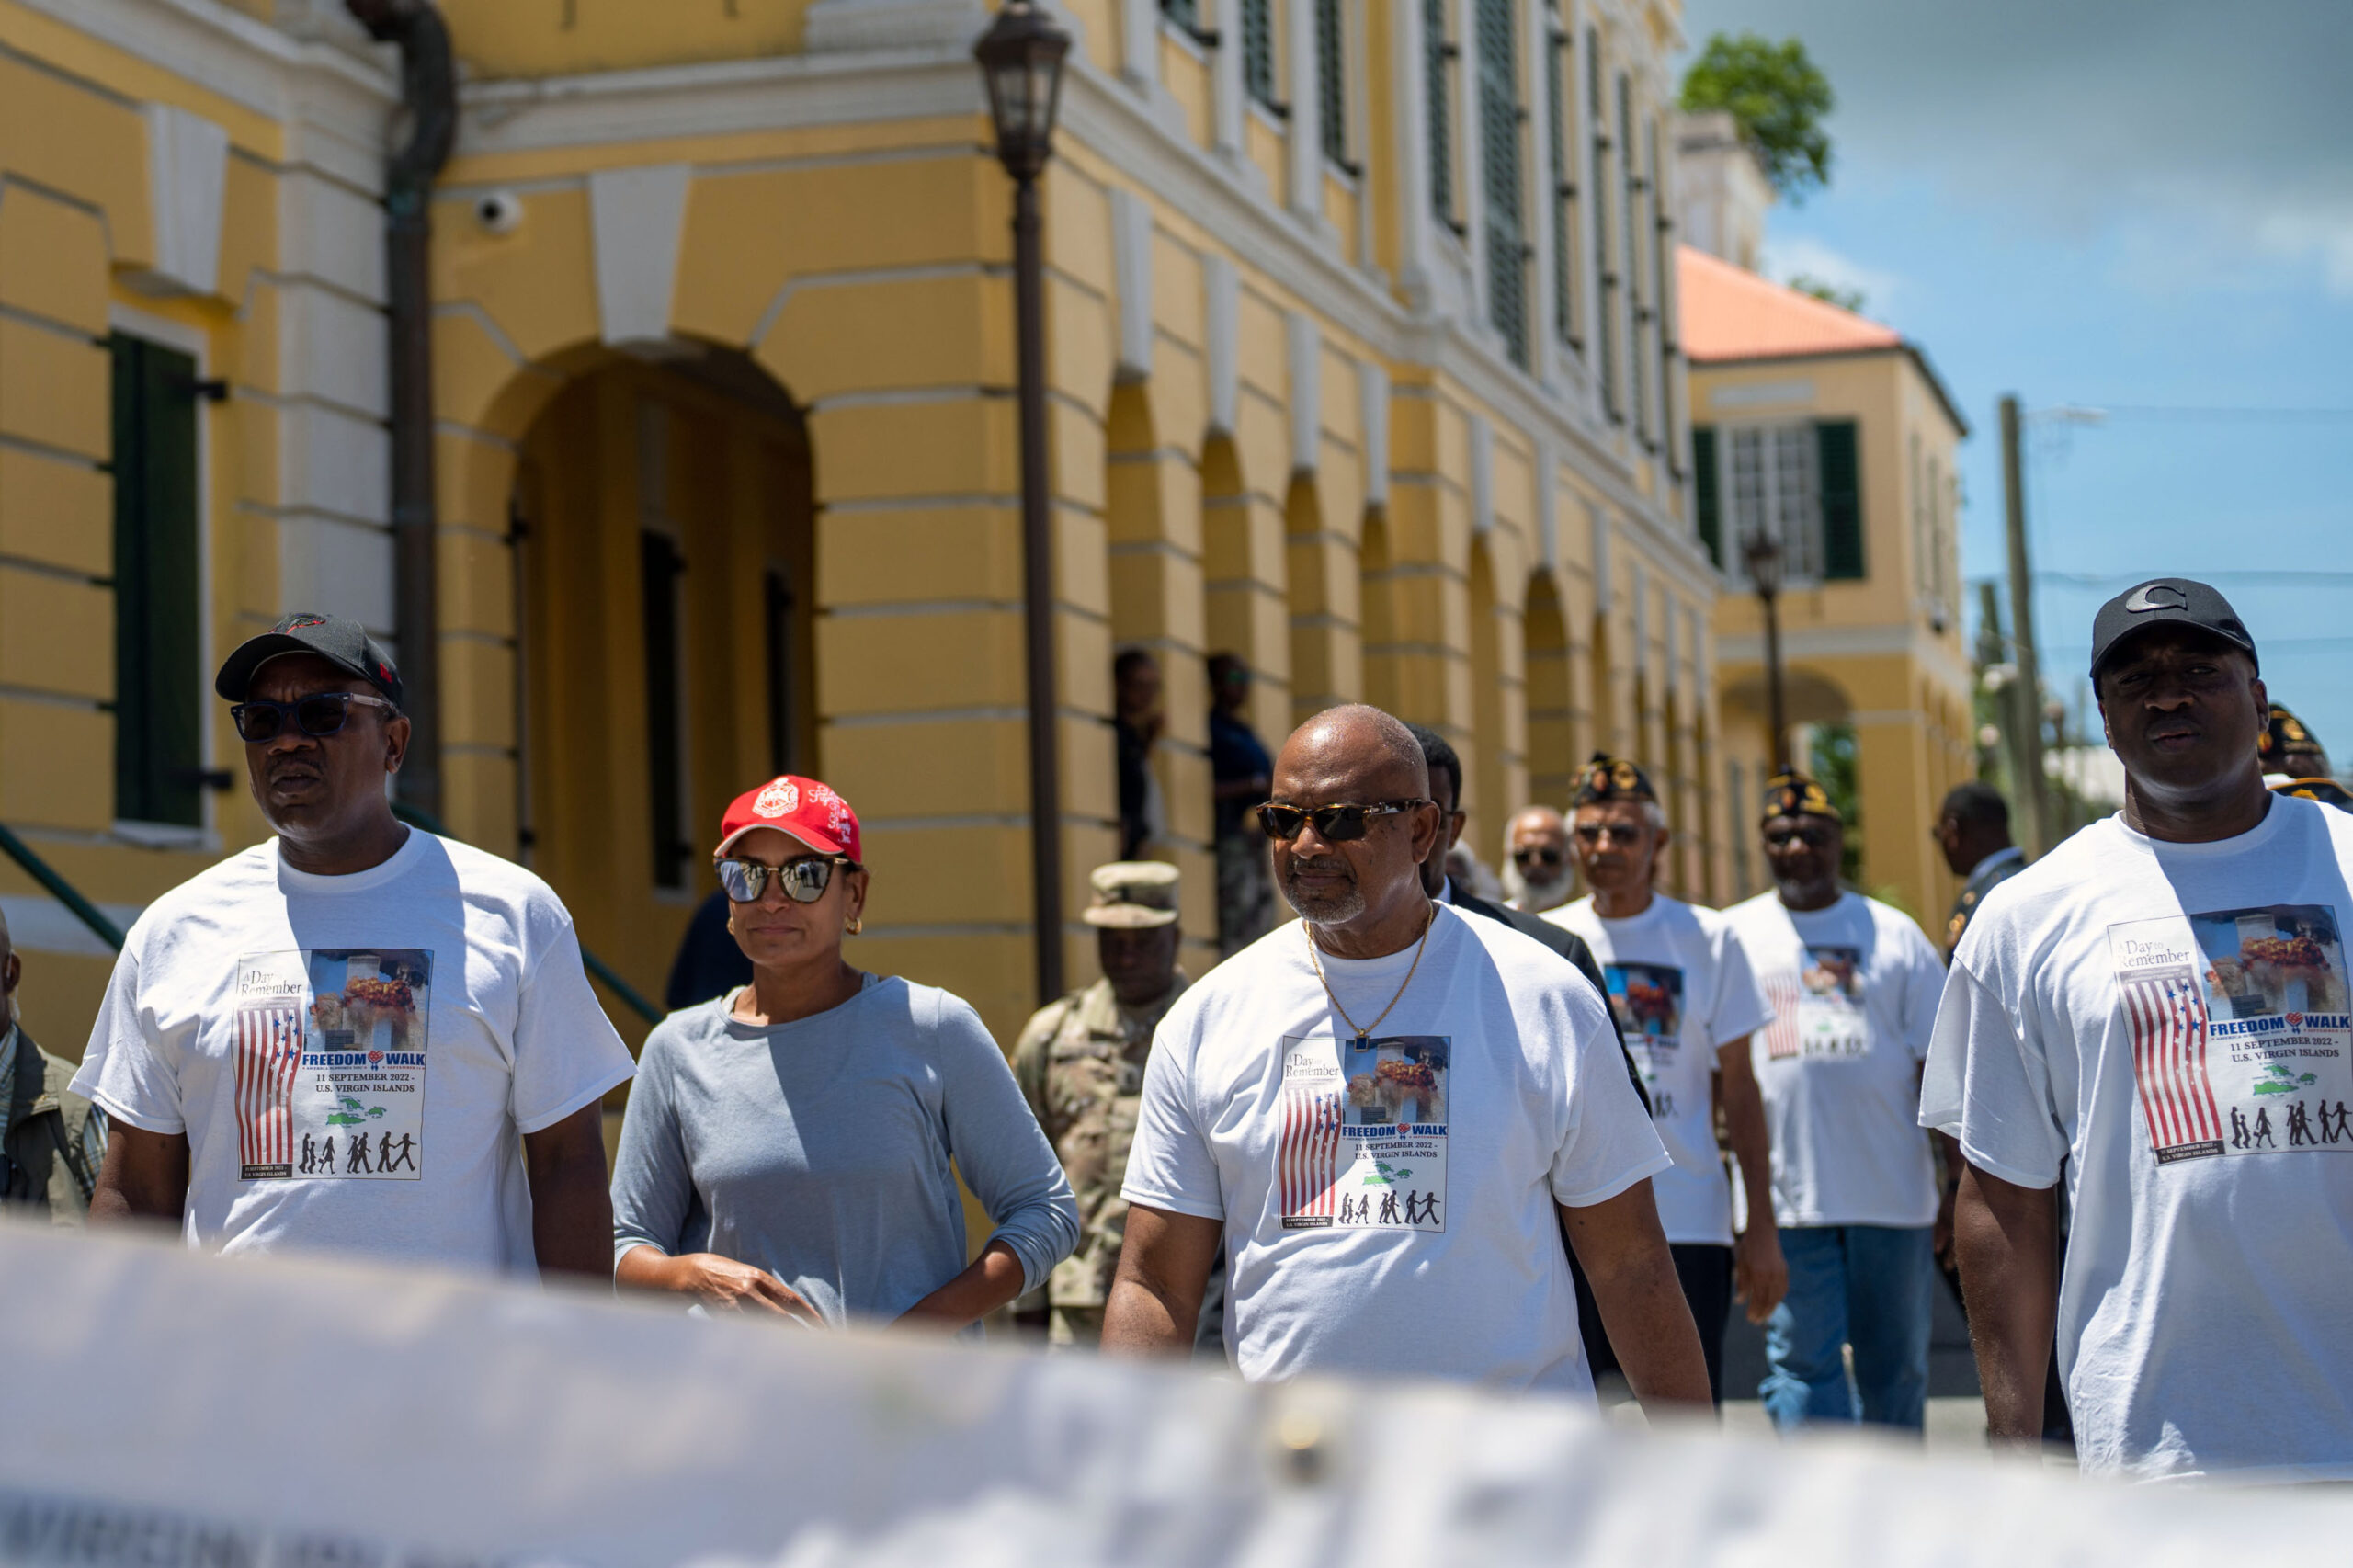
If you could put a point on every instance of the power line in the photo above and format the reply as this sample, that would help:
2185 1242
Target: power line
2212 411
2102 579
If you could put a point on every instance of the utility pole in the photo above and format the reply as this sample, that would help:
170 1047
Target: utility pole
1993 648
2026 730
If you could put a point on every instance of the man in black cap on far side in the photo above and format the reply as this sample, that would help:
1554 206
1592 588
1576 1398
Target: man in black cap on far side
354 1037
2156 1013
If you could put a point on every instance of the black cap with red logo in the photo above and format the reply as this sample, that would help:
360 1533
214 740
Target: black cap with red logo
342 642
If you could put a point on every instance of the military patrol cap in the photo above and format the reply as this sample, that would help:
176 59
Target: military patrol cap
1608 777
1794 794
1133 895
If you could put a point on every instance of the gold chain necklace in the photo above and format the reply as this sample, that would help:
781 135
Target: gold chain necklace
1317 965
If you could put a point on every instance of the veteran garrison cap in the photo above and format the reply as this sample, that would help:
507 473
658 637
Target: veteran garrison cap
1794 794
2283 733
1133 895
2328 792
343 643
1608 777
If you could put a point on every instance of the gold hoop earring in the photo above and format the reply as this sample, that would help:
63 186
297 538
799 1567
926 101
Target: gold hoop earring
854 925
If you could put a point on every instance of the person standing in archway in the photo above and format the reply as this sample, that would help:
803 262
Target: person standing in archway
1239 773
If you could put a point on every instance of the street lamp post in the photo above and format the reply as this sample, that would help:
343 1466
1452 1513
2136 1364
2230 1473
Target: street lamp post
1762 554
1021 61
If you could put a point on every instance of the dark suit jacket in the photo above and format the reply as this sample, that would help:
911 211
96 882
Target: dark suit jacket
1964 908
1566 943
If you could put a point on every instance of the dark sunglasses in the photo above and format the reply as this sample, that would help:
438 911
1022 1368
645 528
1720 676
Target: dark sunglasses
1613 832
1333 824
319 715
1523 856
1812 837
804 881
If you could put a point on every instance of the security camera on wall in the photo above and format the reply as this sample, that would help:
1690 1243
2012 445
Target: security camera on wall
499 212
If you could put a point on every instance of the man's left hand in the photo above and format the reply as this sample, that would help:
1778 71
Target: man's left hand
1760 1276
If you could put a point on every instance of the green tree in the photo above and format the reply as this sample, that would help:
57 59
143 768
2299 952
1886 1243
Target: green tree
1778 97
1829 293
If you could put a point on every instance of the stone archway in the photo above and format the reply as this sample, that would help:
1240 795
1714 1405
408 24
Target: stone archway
664 573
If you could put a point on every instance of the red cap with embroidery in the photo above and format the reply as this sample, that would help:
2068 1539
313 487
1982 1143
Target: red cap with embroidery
807 809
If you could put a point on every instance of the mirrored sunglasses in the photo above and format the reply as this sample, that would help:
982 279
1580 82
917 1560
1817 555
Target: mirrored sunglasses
804 881
1334 824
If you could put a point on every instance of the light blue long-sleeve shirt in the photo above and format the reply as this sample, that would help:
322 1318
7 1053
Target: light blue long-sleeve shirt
819 1149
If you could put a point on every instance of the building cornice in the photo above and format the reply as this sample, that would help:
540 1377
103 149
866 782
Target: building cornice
1907 348
223 51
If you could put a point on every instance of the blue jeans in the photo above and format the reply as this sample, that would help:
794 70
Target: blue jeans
1867 1286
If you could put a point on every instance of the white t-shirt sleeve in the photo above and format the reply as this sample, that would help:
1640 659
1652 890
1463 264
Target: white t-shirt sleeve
1170 1164
566 1052
1741 1008
1608 1142
1989 1088
129 1070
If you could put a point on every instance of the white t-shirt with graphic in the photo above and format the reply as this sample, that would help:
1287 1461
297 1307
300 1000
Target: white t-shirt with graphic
1679 989
1853 989
1389 1207
2172 1022
354 1059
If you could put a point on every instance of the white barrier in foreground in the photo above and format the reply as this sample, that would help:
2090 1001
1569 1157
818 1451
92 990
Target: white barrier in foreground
159 1410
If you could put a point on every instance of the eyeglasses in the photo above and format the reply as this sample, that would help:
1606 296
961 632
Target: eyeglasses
1534 855
1333 824
803 880
319 715
1812 837
1608 832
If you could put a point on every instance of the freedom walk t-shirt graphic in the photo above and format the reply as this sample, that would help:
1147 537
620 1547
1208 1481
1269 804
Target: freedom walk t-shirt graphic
2242 1038
1818 1009
1646 1003
1363 1143
330 1054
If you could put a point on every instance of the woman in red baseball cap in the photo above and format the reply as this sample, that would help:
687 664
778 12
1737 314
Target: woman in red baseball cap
787 1145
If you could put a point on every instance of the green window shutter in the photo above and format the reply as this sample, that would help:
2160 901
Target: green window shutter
1500 181
1440 108
1631 179
1182 13
1704 493
1331 81
159 740
1842 501
1604 320
1258 50
659 567
1556 136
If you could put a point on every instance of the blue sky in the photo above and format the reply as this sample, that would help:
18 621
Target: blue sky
2123 205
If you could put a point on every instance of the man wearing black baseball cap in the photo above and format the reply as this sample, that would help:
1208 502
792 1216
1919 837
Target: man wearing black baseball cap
356 1036
2157 1011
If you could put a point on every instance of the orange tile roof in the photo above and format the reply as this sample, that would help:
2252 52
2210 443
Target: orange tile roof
1728 313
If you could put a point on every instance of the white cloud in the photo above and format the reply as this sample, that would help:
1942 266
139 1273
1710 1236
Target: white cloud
1789 256
2206 137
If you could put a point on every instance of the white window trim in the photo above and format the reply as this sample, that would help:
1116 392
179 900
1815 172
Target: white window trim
1735 568
195 343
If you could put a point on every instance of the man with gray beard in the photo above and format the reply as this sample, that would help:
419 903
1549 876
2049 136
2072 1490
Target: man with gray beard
1300 1104
1537 872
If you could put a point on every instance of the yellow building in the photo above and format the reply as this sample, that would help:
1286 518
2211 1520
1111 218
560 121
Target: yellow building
1833 436
1362 361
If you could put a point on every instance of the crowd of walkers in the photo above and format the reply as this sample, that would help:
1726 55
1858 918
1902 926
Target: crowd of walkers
1415 1131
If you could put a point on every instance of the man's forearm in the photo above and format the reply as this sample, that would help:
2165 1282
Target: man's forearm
2003 1234
1623 1251
143 1177
1139 1321
1752 1145
572 1210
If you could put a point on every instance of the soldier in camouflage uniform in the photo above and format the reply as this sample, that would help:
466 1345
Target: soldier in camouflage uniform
1080 1064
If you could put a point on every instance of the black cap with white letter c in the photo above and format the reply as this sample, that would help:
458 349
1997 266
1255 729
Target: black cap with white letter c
2166 601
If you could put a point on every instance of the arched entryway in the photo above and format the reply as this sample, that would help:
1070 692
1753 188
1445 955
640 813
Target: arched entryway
666 561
